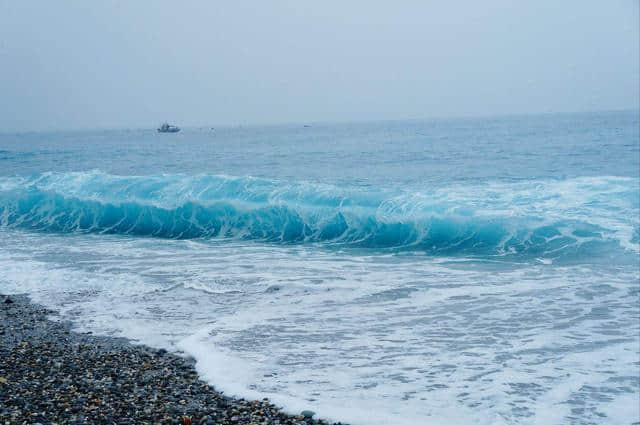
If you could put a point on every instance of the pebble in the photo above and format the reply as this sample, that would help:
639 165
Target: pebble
62 377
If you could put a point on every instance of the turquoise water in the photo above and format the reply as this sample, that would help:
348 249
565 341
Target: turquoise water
452 271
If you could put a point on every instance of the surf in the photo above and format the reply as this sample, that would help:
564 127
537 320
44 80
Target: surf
573 217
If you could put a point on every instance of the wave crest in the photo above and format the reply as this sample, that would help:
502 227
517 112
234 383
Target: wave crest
539 218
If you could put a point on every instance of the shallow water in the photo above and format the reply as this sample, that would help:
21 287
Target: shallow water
452 271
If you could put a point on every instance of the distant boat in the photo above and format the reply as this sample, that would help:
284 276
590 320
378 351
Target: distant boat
168 128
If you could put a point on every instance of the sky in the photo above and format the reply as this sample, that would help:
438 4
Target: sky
78 64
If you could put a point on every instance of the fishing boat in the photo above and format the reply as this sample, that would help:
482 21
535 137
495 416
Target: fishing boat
168 128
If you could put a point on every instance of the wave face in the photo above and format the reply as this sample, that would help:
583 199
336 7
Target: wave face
543 218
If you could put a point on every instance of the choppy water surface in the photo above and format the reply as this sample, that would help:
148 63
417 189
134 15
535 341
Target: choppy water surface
452 271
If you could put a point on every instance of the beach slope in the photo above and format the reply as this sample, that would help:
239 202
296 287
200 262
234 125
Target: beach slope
50 374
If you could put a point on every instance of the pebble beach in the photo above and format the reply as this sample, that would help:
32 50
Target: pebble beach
52 375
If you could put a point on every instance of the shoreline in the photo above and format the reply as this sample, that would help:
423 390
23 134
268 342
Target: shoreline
50 374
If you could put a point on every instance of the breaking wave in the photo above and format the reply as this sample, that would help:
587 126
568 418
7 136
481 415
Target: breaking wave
543 218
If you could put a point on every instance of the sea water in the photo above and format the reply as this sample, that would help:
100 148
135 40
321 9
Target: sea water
479 271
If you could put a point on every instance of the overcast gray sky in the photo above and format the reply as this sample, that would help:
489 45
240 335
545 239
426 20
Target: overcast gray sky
98 64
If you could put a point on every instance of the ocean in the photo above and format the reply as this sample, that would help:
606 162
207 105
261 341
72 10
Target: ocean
472 271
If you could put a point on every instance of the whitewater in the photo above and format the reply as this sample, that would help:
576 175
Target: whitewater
479 271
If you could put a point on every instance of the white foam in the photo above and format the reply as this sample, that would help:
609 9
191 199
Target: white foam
368 339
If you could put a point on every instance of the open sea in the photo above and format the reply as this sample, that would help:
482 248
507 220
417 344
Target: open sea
461 271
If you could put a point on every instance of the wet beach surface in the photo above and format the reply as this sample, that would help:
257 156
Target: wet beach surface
50 374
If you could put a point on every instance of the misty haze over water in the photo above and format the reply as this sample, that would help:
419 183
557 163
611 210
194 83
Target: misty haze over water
387 213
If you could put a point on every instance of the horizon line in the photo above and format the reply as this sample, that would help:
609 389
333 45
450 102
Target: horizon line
320 122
